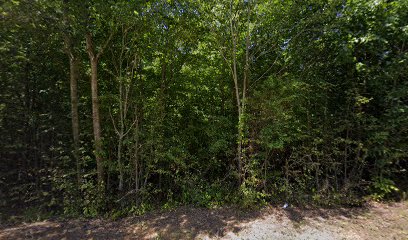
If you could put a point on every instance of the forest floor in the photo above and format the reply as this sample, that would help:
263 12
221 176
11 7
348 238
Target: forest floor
374 221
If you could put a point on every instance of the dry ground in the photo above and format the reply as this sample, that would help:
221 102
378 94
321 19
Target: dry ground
375 221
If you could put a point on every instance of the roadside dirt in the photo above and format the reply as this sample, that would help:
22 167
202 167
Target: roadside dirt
376 221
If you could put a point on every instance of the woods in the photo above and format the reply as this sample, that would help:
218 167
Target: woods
118 107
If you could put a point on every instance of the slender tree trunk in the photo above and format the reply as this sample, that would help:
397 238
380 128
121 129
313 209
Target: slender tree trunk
237 96
242 124
73 76
240 98
96 119
95 108
162 112
138 163
345 181
120 163
121 134
74 114
136 154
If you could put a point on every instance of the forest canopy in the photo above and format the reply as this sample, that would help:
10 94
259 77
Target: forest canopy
124 106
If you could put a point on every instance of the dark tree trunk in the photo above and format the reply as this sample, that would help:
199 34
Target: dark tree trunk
74 113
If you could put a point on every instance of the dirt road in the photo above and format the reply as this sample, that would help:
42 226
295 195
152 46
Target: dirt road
377 221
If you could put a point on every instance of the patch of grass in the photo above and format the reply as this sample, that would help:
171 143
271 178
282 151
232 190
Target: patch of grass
32 214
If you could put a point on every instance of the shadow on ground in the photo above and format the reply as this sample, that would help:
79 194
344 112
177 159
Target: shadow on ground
183 223
298 215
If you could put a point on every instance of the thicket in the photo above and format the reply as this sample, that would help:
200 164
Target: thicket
120 107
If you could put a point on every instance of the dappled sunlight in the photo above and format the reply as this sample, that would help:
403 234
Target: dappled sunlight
226 223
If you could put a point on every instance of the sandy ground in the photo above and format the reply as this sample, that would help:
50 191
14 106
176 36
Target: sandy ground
376 221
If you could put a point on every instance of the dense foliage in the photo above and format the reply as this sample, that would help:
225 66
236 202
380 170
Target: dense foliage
123 106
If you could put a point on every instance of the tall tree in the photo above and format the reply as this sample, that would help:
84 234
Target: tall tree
73 76
98 21
94 57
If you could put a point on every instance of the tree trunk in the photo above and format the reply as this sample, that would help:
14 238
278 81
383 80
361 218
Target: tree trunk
96 119
120 188
238 98
73 65
95 108
121 133
136 154
73 78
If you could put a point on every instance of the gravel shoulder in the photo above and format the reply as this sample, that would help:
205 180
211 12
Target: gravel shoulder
375 221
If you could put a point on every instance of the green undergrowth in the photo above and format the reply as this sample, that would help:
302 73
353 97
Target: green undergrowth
245 198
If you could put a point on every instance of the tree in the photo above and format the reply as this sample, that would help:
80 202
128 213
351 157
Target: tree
73 76
94 57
